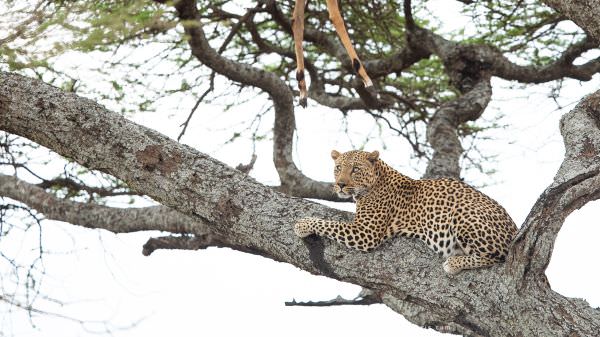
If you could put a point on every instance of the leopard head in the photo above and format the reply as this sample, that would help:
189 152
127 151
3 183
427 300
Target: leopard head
354 173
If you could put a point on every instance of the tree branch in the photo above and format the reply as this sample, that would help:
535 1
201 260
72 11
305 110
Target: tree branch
178 242
116 220
123 220
75 186
198 242
585 13
442 132
576 183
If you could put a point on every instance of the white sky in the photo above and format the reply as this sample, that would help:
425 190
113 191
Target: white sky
218 292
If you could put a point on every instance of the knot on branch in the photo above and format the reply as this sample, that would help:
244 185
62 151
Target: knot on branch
155 157
592 106
226 210
466 68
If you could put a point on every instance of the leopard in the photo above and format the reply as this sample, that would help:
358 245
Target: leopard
466 227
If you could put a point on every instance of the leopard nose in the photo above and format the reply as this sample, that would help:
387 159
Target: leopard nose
341 185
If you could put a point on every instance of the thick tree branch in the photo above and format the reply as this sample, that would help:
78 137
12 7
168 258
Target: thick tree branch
122 220
442 132
500 66
576 183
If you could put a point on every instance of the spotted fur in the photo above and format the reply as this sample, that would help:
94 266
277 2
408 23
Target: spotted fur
465 226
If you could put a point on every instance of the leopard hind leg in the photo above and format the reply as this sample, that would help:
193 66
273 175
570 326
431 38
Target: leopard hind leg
454 264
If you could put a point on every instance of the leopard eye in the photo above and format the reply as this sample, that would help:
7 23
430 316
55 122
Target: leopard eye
355 169
337 167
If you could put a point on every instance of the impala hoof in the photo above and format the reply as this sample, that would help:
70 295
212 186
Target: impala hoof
303 101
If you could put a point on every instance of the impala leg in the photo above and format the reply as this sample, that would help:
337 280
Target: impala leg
298 31
338 22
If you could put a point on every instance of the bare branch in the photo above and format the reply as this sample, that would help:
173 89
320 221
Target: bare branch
73 185
117 220
200 99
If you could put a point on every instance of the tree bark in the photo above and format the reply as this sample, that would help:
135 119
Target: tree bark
585 13
504 300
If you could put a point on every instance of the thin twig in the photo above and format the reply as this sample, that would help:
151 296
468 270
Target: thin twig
221 49
200 99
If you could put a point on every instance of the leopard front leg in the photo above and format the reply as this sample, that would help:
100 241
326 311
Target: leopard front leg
350 234
305 227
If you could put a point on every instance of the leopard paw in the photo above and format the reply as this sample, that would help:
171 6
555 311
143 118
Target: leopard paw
304 228
451 266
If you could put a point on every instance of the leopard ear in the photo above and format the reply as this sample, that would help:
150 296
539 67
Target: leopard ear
335 154
373 156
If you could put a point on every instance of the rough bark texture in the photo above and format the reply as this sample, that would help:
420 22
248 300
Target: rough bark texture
575 184
442 129
583 12
506 300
